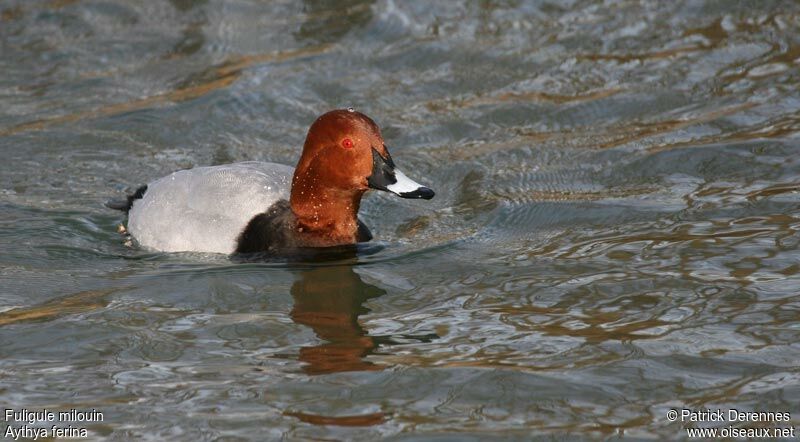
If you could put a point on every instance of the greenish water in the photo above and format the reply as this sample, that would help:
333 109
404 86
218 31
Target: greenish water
615 231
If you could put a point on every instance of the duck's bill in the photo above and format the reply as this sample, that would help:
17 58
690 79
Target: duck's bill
408 188
385 176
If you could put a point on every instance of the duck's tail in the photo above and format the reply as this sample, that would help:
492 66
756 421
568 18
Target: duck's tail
126 204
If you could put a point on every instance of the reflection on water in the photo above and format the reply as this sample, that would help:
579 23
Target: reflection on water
330 299
615 231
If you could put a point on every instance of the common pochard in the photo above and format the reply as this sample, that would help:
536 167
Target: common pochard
251 206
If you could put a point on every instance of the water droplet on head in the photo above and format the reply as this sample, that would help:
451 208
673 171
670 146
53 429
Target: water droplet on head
350 109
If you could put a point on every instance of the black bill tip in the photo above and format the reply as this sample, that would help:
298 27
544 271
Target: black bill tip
421 192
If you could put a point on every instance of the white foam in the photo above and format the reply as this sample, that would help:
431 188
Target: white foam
204 209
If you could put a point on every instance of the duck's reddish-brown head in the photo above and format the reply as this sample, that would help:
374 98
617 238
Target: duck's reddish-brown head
343 157
344 153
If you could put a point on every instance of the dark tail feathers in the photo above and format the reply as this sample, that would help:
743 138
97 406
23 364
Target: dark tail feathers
126 204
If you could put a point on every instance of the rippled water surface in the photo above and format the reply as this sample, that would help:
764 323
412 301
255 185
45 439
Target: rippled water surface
615 231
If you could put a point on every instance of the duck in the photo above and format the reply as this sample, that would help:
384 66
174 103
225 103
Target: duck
262 207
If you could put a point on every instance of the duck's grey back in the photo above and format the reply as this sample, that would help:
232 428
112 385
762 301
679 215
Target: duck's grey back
204 209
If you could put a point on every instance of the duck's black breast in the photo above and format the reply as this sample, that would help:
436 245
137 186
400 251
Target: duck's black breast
273 232
269 231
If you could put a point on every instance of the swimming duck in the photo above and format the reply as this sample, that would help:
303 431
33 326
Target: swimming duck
267 207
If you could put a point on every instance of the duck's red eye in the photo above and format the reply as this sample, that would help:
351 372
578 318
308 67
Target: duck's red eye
347 143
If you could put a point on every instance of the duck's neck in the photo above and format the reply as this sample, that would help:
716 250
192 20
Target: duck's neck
325 216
